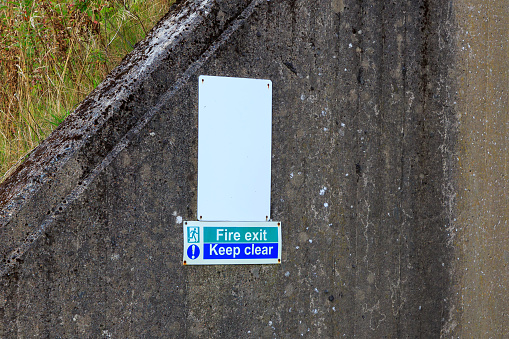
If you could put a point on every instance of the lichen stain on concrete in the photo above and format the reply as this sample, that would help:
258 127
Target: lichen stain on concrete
338 6
483 182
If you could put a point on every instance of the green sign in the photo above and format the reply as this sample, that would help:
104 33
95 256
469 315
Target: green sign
225 234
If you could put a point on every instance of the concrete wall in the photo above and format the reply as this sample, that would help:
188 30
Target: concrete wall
482 201
386 232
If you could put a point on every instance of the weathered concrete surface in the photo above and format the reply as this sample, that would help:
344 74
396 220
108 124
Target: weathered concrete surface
372 154
483 178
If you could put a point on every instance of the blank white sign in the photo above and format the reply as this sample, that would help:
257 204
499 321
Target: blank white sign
234 149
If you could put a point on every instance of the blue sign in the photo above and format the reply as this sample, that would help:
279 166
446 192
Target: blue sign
240 251
193 252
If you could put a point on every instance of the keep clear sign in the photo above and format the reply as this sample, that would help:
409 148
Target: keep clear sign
224 243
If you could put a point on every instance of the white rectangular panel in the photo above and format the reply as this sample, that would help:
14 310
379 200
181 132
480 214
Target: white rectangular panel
234 148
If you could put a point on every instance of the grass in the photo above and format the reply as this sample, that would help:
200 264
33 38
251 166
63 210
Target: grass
52 54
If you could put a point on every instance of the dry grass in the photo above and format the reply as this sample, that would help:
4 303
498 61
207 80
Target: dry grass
53 53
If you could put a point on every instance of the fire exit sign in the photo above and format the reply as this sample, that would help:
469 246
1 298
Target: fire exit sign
213 243
234 175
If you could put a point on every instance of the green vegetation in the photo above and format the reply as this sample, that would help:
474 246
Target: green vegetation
53 53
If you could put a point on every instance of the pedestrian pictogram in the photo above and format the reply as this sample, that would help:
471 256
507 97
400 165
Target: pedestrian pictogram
193 235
